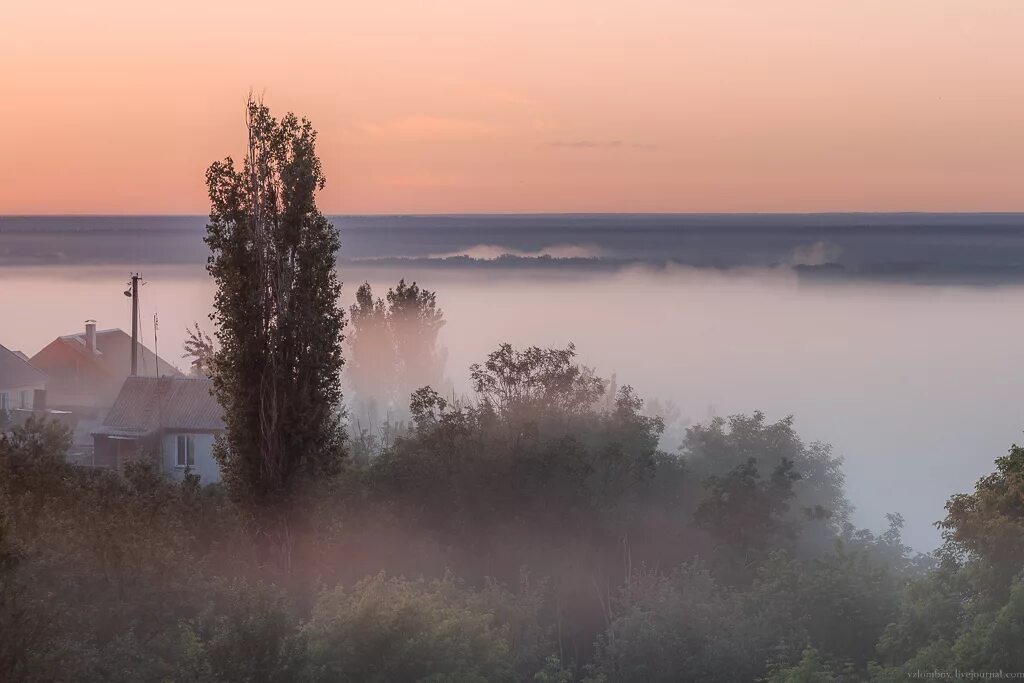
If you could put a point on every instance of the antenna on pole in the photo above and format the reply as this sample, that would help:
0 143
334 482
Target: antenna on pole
156 346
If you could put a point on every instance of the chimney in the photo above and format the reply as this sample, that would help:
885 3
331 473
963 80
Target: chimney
90 335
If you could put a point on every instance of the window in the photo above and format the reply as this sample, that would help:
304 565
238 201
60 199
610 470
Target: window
24 399
186 451
3 402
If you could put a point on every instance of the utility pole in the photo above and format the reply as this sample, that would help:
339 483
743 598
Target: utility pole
134 294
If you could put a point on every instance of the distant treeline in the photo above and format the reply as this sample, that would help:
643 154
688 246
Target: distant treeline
983 248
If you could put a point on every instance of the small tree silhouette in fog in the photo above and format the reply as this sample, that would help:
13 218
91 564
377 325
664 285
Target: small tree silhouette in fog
394 349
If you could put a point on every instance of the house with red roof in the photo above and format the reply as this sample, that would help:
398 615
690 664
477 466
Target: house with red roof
85 371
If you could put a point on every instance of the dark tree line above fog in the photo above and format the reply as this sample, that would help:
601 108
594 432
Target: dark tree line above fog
948 248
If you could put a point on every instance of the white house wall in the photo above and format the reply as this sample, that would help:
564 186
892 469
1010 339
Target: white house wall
14 395
206 467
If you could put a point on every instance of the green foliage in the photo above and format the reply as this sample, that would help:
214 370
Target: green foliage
245 633
988 525
277 367
746 516
128 576
933 609
722 445
553 672
682 627
540 462
688 626
987 641
103 560
20 627
390 629
993 641
535 379
811 669
967 613
838 602
199 347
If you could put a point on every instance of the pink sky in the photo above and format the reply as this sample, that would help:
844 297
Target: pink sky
481 106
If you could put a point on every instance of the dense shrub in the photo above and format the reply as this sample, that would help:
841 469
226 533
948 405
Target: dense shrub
391 629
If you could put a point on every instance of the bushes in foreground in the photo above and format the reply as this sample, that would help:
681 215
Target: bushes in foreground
536 535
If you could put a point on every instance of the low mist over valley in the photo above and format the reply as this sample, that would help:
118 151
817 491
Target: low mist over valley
750 328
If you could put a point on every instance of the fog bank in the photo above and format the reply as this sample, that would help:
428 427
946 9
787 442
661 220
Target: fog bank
916 386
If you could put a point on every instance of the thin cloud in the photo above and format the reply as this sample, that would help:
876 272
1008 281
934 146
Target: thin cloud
429 128
489 252
588 144
600 144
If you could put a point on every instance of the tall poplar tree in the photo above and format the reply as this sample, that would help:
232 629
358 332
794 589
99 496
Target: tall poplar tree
277 366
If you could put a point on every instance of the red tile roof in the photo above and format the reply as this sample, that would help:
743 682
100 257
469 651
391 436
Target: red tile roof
114 354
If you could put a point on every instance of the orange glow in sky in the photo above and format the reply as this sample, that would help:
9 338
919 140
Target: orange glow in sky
525 106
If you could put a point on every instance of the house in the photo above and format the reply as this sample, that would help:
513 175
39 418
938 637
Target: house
169 420
85 371
19 381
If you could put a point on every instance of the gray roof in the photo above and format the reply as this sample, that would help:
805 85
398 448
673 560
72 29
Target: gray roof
17 372
151 404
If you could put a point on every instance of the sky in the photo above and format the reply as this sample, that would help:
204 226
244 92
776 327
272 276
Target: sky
448 106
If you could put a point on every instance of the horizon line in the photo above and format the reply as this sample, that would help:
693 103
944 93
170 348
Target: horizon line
442 214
